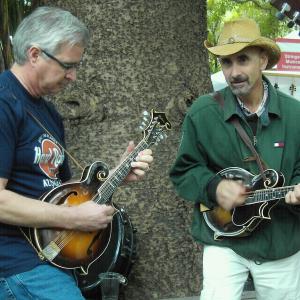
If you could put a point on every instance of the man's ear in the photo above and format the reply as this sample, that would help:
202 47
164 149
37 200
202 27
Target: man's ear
264 59
33 54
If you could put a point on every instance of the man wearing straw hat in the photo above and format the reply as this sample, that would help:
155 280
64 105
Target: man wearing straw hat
268 247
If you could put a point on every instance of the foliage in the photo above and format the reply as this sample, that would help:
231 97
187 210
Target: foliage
12 12
219 11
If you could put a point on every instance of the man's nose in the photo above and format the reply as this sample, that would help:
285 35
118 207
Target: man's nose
71 74
235 70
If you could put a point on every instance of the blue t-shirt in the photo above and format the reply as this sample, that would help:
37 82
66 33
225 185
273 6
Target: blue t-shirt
32 160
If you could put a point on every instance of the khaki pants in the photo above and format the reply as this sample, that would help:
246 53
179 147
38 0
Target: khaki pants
225 274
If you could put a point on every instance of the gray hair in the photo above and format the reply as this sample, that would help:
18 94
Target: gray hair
48 28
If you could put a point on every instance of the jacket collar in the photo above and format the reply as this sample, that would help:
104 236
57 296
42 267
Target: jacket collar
230 106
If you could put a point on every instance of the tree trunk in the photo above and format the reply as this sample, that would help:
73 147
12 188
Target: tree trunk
143 54
5 45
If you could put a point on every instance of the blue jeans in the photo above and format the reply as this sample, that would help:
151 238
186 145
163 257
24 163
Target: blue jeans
44 282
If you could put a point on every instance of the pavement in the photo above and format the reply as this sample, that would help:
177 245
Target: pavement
247 295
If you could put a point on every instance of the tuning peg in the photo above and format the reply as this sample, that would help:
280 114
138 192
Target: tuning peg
284 8
296 16
146 116
143 125
162 136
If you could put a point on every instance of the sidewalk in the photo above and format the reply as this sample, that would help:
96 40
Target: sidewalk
247 295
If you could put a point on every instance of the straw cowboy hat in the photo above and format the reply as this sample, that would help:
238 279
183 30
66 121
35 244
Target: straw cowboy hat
239 34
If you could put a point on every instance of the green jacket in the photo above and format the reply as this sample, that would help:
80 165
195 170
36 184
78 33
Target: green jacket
210 143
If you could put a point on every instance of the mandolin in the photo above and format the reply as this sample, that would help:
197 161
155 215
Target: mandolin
264 191
76 249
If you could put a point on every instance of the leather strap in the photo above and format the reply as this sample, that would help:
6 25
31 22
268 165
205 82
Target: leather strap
43 127
244 136
219 98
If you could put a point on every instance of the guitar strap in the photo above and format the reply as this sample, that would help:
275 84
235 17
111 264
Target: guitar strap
244 136
43 127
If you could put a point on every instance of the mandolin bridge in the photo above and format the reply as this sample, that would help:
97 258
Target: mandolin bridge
51 251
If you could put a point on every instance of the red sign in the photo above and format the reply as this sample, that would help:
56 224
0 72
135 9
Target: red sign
290 54
289 61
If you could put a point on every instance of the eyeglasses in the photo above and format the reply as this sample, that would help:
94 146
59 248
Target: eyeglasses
65 66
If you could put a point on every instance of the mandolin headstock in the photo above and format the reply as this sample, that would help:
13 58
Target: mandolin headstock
155 126
289 8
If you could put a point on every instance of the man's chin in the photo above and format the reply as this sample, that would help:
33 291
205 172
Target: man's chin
56 90
239 91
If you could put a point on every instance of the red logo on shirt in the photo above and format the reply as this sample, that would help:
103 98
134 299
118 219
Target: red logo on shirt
49 157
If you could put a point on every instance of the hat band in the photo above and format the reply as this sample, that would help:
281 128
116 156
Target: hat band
237 39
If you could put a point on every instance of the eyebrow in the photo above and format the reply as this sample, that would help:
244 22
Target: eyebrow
243 55
228 58
223 59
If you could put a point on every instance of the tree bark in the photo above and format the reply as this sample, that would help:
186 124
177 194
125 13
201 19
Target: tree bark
5 45
142 55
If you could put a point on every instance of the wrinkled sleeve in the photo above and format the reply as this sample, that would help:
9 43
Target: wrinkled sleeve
8 137
190 173
296 172
294 181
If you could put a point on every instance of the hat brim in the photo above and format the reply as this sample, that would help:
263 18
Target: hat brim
268 45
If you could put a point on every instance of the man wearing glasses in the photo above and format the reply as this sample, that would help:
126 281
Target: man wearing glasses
48 48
